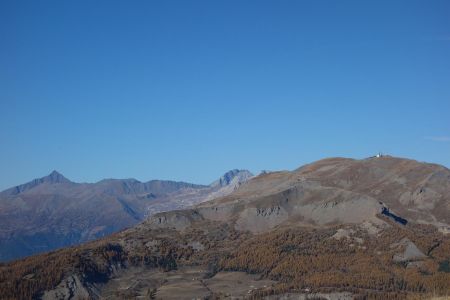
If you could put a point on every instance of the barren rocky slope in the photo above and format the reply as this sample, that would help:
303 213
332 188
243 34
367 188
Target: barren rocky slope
52 212
339 191
342 228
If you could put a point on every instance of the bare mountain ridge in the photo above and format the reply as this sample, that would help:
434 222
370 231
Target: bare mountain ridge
52 211
232 175
58 183
53 177
337 190
332 228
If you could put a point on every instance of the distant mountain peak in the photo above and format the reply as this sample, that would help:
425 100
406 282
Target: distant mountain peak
52 178
232 175
55 177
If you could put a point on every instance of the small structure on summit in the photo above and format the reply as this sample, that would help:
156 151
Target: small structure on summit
379 155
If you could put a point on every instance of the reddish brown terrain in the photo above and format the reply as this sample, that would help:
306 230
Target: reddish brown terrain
338 228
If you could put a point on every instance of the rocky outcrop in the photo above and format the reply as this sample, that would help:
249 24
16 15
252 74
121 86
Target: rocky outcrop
232 177
178 220
338 191
69 289
408 251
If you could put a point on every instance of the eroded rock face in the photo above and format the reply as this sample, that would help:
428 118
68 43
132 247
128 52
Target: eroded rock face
178 220
261 219
408 251
233 177
70 289
306 201
339 191
423 198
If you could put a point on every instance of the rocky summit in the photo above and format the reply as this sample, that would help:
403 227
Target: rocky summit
337 228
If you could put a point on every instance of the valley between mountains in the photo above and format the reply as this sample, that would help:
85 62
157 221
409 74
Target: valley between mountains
338 228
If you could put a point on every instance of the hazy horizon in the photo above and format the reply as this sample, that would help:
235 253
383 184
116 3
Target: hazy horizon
181 180
185 91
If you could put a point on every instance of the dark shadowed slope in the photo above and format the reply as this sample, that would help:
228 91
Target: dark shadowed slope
52 212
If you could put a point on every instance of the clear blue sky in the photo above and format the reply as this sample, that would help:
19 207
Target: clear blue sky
187 90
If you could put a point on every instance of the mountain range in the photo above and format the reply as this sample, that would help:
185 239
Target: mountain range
53 212
338 228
